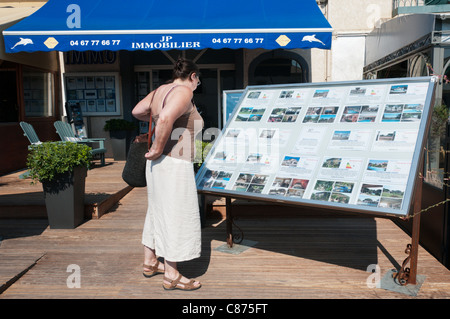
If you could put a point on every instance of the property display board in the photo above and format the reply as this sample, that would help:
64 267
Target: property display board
351 146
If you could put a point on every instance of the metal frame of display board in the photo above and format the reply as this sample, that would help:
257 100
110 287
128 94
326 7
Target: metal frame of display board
386 102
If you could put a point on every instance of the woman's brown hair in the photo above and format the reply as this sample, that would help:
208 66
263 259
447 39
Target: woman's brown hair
184 68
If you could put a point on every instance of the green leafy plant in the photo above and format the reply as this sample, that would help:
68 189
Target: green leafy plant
119 125
201 151
48 159
439 120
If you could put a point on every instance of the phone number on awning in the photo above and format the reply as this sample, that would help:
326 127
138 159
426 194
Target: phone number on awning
237 40
93 42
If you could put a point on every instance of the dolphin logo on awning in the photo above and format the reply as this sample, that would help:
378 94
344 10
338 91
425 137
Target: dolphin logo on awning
23 42
311 38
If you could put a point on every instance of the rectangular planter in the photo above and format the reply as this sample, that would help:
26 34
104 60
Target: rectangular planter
64 199
119 149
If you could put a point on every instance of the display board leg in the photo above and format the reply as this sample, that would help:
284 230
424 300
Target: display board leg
232 238
408 275
412 279
229 221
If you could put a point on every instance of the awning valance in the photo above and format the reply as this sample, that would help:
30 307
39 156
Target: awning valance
66 25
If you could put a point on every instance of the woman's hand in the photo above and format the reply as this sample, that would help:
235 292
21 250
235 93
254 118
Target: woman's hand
152 154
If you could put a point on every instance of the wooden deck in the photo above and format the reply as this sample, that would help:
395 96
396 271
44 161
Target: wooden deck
104 187
284 257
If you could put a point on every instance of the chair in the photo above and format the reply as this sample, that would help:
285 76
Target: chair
66 133
30 133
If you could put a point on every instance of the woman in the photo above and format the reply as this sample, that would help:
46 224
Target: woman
172 225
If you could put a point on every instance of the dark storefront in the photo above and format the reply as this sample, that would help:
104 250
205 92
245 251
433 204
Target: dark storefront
29 86
132 49
411 46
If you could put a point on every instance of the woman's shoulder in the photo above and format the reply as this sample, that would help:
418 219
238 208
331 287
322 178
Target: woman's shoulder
181 91
171 87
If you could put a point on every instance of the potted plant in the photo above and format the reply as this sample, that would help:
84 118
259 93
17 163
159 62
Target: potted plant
439 119
201 151
118 131
118 128
435 153
61 167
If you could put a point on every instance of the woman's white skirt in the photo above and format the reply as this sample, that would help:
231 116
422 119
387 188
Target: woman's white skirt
172 225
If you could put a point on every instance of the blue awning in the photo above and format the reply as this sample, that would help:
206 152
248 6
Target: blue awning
65 25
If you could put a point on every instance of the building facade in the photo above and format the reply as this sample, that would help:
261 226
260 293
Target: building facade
415 43
28 91
371 39
136 73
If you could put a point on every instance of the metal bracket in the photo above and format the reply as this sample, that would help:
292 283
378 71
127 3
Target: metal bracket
408 275
232 237
403 274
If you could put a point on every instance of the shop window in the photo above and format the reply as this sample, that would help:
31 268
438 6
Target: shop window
436 153
210 56
38 93
277 71
97 92
9 106
418 65
399 70
147 81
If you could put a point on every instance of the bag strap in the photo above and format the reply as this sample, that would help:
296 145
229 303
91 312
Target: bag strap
165 97
151 130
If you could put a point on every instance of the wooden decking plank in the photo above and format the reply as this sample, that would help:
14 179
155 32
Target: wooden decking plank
13 266
104 187
294 257
113 270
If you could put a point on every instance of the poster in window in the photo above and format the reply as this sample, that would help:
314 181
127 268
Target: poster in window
98 92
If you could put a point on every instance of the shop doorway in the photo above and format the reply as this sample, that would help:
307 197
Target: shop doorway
9 106
208 95
278 67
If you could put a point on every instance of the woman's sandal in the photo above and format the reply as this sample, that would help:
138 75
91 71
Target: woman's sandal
175 284
153 270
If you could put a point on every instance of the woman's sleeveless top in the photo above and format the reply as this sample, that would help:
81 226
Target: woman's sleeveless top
181 142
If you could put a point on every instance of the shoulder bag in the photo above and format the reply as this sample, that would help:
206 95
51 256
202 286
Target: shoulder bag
134 170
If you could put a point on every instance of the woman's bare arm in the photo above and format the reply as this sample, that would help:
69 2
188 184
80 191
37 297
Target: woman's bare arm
177 103
142 110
